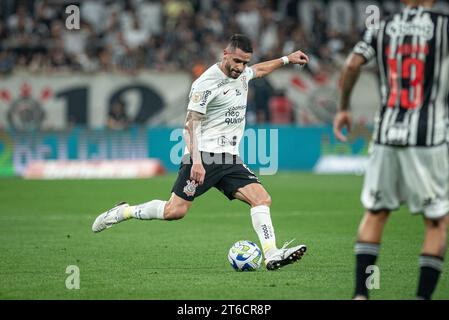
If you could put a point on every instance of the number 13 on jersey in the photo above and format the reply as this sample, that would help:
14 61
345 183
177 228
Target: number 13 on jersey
411 95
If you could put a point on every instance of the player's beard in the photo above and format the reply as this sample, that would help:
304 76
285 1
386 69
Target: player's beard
232 72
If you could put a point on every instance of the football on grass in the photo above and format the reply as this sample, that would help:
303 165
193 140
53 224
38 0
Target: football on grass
245 256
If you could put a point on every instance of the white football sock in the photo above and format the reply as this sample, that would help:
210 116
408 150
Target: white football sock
147 211
261 219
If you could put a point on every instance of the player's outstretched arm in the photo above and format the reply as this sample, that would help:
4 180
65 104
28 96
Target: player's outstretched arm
264 68
193 121
350 74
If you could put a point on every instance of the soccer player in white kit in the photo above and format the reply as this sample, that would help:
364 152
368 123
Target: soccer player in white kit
214 126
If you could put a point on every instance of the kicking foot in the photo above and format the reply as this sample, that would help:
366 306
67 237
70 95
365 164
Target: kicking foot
109 218
285 256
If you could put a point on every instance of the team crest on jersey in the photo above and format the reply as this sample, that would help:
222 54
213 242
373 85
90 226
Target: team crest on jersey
190 188
244 83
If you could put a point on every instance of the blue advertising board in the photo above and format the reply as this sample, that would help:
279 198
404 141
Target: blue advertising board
265 148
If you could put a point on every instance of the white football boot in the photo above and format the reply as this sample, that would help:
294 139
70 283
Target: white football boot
284 256
109 218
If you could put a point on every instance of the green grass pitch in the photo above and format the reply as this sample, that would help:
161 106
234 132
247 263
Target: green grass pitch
45 226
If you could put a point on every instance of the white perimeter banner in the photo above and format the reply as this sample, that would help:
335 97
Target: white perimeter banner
94 169
55 102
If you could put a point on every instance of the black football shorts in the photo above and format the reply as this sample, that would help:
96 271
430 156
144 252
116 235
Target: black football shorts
224 171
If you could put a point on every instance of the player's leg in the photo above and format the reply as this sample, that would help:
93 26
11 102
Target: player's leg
173 209
239 182
432 255
260 201
426 175
183 193
380 195
431 169
372 225
367 248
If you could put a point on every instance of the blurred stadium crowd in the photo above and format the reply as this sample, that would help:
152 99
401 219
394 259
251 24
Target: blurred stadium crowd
133 35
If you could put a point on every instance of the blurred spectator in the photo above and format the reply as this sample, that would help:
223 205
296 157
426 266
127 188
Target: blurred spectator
268 35
263 90
135 36
175 10
150 16
59 60
92 11
249 19
3 33
75 41
165 35
281 108
21 21
117 117
198 68
215 23
6 62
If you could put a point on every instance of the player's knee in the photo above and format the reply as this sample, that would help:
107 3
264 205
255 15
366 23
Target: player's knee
378 216
175 212
267 200
264 200
441 224
436 230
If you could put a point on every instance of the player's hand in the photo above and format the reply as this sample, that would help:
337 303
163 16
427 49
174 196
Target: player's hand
343 119
298 57
198 173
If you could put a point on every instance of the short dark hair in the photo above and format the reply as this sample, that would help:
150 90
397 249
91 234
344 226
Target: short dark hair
242 42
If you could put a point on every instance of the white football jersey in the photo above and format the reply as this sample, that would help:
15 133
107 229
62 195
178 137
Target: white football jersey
223 101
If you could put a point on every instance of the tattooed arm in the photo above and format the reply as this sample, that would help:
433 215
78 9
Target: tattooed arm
193 123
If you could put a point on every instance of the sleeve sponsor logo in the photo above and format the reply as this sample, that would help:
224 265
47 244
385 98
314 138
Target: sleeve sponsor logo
206 95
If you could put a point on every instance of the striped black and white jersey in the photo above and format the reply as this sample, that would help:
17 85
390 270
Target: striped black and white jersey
411 50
